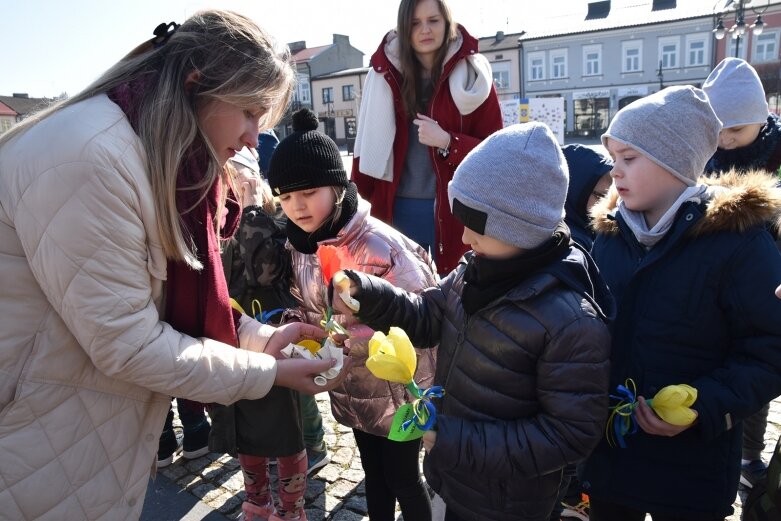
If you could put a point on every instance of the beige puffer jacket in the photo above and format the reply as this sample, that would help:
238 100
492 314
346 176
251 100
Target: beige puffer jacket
367 244
86 364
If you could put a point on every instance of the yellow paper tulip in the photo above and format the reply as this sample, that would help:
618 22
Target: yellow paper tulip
392 357
313 346
673 403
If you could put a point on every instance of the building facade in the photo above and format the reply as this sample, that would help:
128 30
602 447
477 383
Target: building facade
762 50
336 102
310 62
615 57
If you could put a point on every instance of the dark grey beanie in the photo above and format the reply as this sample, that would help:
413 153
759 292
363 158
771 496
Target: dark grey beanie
675 128
512 186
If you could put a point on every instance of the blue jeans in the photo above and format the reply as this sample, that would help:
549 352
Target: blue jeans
415 219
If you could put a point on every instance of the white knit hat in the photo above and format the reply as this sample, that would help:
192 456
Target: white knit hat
512 186
736 94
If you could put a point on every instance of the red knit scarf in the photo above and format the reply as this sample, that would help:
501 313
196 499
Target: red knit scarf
197 302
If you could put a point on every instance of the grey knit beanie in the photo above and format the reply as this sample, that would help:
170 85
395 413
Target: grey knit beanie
736 94
675 128
512 186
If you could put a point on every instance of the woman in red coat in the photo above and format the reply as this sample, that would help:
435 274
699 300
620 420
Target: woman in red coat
427 101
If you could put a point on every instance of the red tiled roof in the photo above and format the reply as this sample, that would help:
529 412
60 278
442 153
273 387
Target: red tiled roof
309 53
5 110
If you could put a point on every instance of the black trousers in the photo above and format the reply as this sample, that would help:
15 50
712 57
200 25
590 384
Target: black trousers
603 511
392 472
754 434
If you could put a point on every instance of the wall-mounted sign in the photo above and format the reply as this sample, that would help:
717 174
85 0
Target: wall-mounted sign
625 92
589 94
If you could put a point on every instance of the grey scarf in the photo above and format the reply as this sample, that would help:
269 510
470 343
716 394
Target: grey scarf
649 237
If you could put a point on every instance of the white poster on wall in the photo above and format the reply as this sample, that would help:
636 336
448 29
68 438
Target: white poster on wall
510 111
551 112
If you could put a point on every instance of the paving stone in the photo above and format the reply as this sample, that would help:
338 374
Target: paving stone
330 473
353 475
356 503
174 472
341 489
314 487
231 481
231 504
343 456
198 464
206 492
348 515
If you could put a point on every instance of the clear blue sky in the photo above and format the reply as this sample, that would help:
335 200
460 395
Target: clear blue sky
48 47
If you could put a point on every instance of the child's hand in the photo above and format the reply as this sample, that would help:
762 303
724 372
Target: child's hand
298 374
429 439
291 334
778 292
652 424
342 287
430 133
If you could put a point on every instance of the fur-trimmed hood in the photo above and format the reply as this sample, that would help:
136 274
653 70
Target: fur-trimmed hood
747 200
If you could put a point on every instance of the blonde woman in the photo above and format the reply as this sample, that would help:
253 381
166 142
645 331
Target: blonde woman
113 293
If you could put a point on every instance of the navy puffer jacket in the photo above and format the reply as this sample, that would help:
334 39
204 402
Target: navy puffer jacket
698 309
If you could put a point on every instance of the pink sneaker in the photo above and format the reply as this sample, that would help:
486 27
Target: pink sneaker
253 512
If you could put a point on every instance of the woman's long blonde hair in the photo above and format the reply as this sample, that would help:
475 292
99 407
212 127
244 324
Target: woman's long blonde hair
410 65
237 62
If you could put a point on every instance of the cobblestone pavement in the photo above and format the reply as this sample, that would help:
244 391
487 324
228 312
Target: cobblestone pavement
336 492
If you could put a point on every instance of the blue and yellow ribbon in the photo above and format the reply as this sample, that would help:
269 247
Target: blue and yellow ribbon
425 413
621 421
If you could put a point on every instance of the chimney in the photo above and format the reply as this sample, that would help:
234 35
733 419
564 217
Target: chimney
499 36
297 46
21 95
343 38
660 5
598 10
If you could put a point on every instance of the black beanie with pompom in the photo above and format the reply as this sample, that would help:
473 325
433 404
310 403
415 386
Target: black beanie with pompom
306 158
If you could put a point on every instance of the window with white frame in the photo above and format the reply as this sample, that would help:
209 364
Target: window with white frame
501 74
303 89
668 52
632 56
737 48
765 47
558 63
592 60
328 95
536 66
696 49
348 93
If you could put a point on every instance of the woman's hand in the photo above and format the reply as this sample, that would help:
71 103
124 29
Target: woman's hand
430 133
429 439
652 424
292 334
298 374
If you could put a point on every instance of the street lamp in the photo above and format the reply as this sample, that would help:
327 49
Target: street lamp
660 75
740 27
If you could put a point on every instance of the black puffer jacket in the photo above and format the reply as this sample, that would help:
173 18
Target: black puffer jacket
526 380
